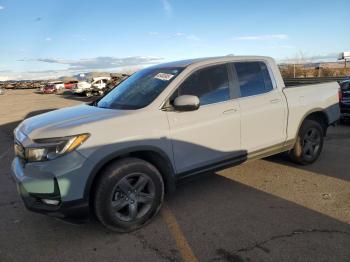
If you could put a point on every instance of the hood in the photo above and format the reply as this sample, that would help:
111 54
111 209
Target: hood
63 122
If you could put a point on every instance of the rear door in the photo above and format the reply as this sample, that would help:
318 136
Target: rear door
263 106
211 134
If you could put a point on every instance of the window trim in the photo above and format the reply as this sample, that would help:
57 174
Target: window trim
273 80
165 106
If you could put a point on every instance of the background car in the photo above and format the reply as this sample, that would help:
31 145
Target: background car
345 99
96 87
70 84
49 89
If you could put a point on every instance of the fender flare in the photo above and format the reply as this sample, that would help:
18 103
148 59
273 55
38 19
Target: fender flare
169 177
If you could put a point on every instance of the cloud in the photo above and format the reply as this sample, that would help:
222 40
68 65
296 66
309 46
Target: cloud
177 34
262 37
81 37
1 7
325 56
48 39
81 65
192 38
301 57
101 62
168 9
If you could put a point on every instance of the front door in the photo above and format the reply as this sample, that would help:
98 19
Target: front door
211 134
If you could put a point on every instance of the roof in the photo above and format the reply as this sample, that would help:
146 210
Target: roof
188 62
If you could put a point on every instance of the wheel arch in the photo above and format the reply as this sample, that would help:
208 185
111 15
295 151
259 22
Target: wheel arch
318 115
151 154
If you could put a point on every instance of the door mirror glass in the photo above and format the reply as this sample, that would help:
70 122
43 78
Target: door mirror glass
186 103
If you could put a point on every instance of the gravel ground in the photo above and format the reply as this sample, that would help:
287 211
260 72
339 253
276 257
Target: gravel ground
265 210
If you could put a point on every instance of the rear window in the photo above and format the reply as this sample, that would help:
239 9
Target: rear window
254 78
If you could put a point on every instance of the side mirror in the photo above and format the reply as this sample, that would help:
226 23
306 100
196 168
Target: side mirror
186 103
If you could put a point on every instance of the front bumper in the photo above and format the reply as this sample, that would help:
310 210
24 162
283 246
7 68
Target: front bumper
75 210
56 187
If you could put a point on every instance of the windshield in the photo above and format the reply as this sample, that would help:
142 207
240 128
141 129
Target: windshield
140 89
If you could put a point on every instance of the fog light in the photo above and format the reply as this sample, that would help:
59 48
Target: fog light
50 201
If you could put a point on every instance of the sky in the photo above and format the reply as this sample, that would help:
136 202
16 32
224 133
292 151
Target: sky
49 38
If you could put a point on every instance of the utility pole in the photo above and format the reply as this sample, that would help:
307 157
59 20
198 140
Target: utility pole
294 70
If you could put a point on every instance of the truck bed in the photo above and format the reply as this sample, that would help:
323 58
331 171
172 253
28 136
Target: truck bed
304 99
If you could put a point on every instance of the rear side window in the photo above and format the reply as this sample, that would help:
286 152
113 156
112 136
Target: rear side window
211 85
253 78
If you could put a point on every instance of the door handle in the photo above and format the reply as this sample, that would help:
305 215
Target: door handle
230 111
274 101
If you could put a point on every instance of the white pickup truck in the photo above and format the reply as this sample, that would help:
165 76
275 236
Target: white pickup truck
117 156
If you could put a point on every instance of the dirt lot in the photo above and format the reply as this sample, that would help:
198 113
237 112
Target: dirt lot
266 210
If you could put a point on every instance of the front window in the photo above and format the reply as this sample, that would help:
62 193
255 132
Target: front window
210 85
140 89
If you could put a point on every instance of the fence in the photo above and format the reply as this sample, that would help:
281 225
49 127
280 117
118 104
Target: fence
312 80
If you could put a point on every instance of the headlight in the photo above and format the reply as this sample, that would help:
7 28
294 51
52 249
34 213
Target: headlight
51 148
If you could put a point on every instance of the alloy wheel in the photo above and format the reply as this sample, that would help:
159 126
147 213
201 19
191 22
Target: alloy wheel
311 143
133 197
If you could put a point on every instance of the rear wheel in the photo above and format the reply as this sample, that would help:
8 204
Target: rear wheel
128 195
309 143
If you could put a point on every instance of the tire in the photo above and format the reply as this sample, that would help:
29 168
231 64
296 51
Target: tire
124 186
309 143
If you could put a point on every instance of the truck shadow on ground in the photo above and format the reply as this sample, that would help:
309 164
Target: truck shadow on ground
220 219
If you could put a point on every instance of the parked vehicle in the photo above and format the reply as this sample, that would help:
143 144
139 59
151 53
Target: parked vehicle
2 91
49 89
114 81
345 99
70 84
52 87
116 157
96 87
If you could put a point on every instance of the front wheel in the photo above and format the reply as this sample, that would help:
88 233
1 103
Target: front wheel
128 195
309 143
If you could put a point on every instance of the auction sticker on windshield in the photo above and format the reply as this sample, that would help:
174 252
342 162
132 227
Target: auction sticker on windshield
164 76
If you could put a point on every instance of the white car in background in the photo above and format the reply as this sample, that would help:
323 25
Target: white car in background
88 89
54 86
57 84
